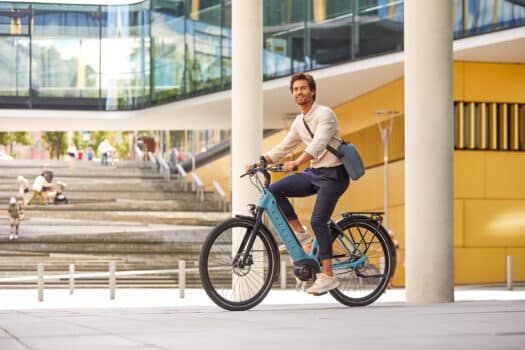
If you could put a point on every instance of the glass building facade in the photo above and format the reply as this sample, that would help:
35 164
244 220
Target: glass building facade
156 51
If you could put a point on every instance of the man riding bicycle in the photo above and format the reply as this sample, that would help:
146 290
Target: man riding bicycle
325 177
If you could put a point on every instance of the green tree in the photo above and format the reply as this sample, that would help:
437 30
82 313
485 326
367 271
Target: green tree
78 140
18 137
56 142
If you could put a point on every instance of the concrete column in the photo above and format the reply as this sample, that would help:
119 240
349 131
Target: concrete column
247 102
429 131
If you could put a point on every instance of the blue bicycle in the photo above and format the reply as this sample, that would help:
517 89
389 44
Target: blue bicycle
240 261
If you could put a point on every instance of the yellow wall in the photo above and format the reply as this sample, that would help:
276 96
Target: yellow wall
489 191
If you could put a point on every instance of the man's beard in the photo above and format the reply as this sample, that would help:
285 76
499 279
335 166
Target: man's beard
305 100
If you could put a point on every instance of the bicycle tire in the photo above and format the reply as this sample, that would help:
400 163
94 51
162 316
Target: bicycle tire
364 284
233 288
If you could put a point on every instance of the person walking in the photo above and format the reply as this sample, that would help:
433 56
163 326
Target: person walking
104 148
72 153
316 127
38 184
15 215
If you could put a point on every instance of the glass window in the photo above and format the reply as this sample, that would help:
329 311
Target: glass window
510 14
168 52
227 43
125 56
284 37
204 46
330 32
380 27
14 66
14 19
65 51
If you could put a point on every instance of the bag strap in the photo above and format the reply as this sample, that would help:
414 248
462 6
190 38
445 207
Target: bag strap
328 147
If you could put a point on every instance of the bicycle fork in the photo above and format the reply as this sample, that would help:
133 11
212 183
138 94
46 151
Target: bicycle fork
242 257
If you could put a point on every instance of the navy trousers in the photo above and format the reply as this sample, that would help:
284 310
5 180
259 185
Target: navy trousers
328 183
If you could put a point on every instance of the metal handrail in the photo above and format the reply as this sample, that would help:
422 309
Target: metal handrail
182 175
221 195
199 187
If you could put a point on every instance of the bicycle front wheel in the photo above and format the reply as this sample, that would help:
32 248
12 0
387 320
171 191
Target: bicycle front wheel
361 240
231 285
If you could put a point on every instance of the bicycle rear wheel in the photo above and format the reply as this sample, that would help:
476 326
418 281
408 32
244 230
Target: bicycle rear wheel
365 283
230 285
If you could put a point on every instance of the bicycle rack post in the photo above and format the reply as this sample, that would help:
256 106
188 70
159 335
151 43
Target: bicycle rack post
182 278
283 273
71 278
509 272
40 281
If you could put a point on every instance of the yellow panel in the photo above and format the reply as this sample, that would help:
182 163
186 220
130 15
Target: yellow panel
518 263
479 265
494 223
458 81
469 177
458 223
505 175
359 113
460 126
493 82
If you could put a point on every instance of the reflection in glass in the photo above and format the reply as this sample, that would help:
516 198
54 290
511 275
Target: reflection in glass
203 42
114 57
14 66
65 51
284 23
380 27
168 52
14 19
330 32
125 56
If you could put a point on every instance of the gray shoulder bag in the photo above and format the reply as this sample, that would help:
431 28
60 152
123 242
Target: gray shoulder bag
348 154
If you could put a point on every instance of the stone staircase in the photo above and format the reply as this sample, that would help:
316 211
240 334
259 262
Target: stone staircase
122 213
121 192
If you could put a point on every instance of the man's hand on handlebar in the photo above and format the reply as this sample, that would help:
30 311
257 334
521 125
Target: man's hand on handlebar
289 166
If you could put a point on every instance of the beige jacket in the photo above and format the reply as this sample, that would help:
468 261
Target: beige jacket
323 124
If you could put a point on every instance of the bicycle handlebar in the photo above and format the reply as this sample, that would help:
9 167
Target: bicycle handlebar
277 168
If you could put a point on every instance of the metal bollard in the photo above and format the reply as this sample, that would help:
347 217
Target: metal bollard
283 273
112 280
71 278
40 281
509 272
182 278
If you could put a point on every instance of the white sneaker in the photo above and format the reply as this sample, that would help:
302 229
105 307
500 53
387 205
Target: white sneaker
303 238
16 236
323 283
12 236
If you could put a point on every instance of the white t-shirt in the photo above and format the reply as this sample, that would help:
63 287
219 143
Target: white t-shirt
39 183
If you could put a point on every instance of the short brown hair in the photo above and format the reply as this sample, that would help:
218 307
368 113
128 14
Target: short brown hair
308 78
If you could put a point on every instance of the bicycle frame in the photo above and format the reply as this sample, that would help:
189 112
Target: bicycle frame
268 203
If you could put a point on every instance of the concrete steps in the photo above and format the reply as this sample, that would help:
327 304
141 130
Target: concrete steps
122 213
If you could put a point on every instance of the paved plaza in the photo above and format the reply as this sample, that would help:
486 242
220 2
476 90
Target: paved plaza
483 317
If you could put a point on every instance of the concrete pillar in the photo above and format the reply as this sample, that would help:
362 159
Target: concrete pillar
247 103
429 142
247 118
